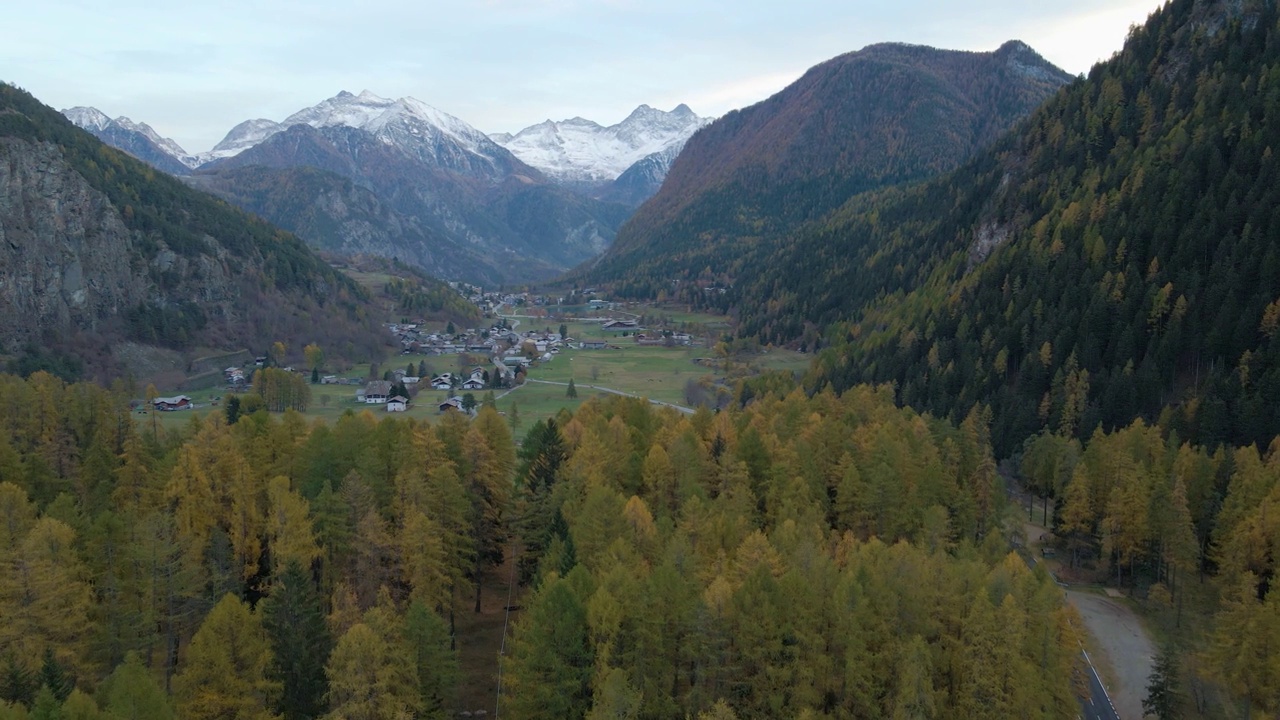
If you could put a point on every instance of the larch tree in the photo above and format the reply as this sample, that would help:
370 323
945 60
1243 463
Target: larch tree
132 691
226 671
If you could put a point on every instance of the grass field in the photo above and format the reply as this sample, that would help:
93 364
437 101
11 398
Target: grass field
655 372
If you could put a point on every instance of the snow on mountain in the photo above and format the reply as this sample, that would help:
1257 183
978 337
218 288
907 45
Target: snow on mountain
241 138
581 151
166 144
407 123
133 137
87 118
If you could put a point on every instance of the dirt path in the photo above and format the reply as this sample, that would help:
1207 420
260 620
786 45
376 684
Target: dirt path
1123 640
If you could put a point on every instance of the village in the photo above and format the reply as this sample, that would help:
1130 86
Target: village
461 363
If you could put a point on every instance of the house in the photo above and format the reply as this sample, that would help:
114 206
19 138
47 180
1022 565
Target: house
376 392
620 325
453 403
442 382
593 344
475 382
169 404
397 403
410 380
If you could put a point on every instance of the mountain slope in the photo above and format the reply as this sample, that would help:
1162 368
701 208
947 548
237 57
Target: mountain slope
99 248
884 115
481 210
584 154
137 139
338 216
1114 258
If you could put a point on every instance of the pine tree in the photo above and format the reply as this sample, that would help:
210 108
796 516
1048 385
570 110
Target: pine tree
1163 698
54 677
293 617
549 669
436 660
572 390
18 684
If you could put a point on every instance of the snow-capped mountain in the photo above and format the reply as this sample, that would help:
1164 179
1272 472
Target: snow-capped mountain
579 151
413 126
241 138
137 139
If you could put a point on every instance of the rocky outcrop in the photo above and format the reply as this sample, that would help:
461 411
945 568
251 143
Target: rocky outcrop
66 257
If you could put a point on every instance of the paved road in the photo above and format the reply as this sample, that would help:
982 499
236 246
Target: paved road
681 408
1121 637
1098 705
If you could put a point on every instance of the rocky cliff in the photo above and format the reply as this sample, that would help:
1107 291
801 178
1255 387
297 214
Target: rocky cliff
96 248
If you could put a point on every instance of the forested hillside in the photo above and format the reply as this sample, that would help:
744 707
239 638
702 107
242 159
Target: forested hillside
102 248
883 115
1183 526
824 557
1113 258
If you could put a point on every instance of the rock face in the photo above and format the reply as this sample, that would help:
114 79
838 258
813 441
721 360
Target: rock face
53 226
96 248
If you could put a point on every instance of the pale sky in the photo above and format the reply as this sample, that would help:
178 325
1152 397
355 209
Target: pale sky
192 69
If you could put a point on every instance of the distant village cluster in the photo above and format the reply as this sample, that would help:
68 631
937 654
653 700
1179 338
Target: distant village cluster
496 357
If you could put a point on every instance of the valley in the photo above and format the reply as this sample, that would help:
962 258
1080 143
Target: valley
938 383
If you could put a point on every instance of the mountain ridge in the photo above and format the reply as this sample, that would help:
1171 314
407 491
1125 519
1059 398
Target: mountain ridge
101 250
887 114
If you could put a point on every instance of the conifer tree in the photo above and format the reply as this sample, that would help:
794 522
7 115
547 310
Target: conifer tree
54 677
571 391
1163 698
434 657
131 691
293 617
226 669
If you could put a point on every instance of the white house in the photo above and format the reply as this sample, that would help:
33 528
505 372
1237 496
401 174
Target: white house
397 403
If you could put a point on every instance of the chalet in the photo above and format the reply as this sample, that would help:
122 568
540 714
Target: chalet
397 403
376 392
169 404
453 403
620 325
593 344
443 381
475 382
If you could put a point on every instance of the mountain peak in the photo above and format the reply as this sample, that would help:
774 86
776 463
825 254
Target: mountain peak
88 118
344 94
579 150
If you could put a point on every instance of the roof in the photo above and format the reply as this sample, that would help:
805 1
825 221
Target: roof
377 387
175 400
